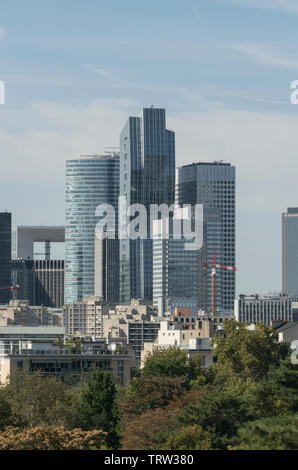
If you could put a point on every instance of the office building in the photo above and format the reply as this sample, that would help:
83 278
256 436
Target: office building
213 185
178 271
91 180
25 350
24 237
290 251
147 176
20 312
41 282
5 257
255 309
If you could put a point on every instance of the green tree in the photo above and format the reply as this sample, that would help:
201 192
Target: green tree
189 438
98 406
173 362
274 433
277 393
220 412
149 393
6 416
246 352
36 400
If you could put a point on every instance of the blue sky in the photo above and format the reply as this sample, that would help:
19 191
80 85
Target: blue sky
74 70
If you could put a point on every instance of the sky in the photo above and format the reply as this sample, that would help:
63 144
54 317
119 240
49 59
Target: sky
75 70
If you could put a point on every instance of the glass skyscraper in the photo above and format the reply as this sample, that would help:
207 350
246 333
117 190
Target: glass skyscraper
178 273
213 185
5 257
90 180
147 176
290 251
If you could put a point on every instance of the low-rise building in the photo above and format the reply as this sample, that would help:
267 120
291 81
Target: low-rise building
19 312
255 309
175 335
36 349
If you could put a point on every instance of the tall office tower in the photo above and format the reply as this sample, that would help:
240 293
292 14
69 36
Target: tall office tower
178 273
147 176
213 185
175 268
41 282
91 180
5 257
290 251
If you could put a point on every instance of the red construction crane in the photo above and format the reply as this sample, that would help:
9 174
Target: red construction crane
10 288
214 268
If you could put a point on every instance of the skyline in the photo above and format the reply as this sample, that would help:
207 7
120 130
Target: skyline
226 90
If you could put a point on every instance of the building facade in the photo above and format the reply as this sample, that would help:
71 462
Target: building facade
257 309
147 176
5 257
290 251
90 181
41 282
213 185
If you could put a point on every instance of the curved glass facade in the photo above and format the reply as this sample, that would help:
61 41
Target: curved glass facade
90 181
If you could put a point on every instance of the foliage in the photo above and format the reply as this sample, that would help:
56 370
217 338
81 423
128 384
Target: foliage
98 406
246 352
277 393
74 344
150 429
6 416
36 400
172 362
189 438
51 438
220 412
277 433
149 393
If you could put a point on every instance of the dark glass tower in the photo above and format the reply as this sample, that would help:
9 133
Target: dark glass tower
5 257
147 176
213 185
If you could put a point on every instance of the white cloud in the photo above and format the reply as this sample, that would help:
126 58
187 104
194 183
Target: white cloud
267 54
103 72
288 6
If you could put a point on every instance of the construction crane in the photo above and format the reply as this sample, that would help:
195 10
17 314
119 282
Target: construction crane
12 289
214 267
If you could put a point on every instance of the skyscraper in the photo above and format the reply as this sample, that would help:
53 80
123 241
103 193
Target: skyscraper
41 282
213 185
5 257
91 180
290 251
178 273
147 176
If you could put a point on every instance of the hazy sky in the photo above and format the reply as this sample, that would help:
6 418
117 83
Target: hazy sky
74 71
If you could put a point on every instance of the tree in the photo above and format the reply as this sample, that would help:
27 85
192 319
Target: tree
274 433
173 362
189 438
36 400
98 406
246 352
150 429
277 393
148 393
51 438
218 411
6 416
